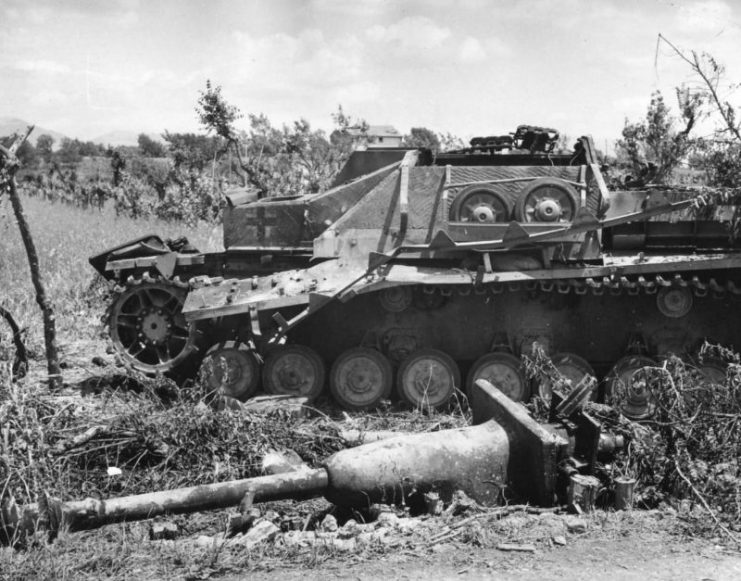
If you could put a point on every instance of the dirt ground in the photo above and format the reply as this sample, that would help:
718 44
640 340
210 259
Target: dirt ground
639 556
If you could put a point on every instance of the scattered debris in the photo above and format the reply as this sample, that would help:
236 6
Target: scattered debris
163 531
525 548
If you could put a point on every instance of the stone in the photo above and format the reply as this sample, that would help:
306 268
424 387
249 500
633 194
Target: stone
344 545
281 462
299 539
262 532
329 524
163 530
387 519
205 541
349 530
575 525
408 525
559 540
240 523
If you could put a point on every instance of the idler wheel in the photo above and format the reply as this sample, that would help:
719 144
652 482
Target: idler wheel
428 378
571 366
674 302
547 200
503 371
480 205
360 378
148 328
293 370
231 369
620 378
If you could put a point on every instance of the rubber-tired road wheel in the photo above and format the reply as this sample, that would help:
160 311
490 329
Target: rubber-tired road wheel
149 330
293 370
231 369
360 378
503 371
428 378
571 366
481 204
547 200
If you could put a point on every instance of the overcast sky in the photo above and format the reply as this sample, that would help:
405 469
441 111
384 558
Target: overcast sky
469 67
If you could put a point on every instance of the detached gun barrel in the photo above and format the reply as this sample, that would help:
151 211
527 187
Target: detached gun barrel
16 522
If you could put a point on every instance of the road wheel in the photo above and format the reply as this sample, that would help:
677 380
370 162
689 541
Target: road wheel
619 380
428 378
571 366
293 370
361 378
231 369
503 371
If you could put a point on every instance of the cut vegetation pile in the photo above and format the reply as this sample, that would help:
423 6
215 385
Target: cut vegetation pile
65 448
687 452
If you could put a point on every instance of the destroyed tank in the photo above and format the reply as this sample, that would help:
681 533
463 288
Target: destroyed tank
423 275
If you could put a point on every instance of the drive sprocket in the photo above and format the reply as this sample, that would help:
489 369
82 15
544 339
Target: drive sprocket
148 329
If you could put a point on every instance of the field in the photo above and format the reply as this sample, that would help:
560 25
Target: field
163 438
65 237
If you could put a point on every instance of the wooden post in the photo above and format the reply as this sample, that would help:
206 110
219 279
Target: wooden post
8 167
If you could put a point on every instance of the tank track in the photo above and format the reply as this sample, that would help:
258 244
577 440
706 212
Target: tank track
597 286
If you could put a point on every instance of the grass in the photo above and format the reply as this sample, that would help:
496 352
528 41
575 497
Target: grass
65 237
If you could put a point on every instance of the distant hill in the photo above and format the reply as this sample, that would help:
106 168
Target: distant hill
10 125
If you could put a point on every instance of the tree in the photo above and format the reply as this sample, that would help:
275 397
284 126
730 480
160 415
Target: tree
69 151
423 138
448 142
290 160
148 147
191 151
28 155
653 147
720 155
44 147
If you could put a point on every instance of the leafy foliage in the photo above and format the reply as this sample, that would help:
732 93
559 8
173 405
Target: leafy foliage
653 148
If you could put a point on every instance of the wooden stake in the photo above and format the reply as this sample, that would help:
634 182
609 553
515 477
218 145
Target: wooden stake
9 166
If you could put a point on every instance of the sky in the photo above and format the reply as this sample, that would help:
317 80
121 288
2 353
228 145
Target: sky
467 67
